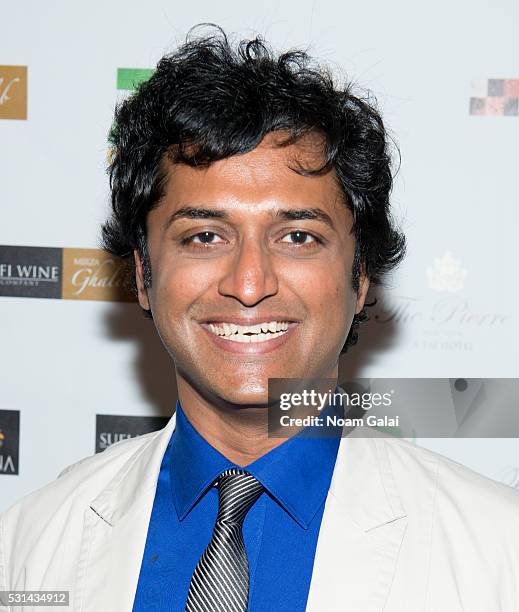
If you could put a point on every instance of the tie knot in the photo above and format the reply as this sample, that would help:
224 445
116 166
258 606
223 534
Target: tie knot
237 492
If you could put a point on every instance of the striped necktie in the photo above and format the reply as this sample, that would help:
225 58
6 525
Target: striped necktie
220 582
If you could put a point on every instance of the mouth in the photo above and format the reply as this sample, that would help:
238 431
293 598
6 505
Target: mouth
261 332
261 336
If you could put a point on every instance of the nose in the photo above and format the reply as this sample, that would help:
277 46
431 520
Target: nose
250 276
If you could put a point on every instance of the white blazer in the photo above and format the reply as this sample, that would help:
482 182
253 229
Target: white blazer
404 530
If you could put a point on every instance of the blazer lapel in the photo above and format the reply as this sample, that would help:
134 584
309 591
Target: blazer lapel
115 530
363 526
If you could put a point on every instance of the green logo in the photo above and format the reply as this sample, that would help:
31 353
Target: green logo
130 78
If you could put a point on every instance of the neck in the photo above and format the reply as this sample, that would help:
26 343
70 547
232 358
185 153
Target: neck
239 433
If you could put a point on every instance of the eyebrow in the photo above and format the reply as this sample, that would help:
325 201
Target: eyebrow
286 214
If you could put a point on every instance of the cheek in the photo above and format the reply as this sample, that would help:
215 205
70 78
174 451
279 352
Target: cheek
177 287
327 300
327 278
336 304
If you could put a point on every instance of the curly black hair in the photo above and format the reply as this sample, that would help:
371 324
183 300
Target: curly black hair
211 99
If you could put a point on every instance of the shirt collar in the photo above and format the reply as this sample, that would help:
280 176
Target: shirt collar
194 464
297 473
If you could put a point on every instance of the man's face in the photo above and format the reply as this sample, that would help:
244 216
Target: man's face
227 249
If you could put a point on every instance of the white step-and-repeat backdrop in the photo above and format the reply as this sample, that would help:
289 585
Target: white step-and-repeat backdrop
81 368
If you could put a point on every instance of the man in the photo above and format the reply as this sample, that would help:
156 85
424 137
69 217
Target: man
253 195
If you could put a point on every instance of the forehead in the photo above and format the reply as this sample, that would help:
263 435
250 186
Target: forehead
263 175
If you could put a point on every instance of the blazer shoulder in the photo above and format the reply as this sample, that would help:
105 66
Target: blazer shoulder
79 482
418 469
117 451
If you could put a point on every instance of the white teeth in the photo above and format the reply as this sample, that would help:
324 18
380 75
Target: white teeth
254 337
250 333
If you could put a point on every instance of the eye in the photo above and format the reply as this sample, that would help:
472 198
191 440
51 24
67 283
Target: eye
301 237
206 238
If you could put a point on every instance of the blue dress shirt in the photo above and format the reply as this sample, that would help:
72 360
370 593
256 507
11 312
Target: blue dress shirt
280 531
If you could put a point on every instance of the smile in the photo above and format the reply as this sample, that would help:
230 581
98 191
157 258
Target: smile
261 332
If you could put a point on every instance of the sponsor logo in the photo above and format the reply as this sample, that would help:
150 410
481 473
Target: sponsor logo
13 92
494 97
71 274
449 310
91 274
449 323
30 272
129 79
112 428
9 441
446 274
444 318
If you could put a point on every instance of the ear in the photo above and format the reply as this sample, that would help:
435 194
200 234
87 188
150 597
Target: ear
362 292
142 292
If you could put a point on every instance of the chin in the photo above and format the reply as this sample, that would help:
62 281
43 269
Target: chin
245 397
